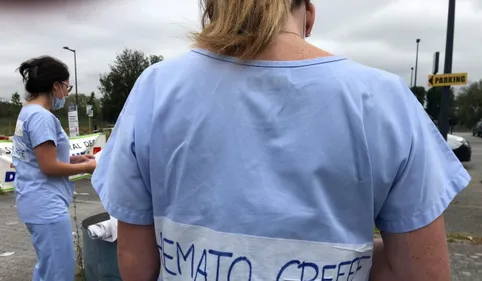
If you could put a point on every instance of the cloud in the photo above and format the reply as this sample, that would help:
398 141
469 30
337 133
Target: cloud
380 33
386 37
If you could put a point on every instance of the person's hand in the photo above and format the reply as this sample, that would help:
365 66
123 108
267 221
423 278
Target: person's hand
77 159
90 166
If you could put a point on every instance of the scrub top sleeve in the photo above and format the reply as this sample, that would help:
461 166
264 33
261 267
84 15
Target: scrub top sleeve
125 194
428 178
42 127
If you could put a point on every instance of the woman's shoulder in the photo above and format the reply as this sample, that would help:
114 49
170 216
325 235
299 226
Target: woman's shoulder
30 110
349 71
180 61
36 114
370 83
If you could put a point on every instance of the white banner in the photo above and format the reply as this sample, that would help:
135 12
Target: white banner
88 144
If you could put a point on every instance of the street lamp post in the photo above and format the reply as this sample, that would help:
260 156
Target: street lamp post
74 114
449 49
411 78
75 74
416 65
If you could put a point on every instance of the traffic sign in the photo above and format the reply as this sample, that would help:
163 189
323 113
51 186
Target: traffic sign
441 80
436 58
90 111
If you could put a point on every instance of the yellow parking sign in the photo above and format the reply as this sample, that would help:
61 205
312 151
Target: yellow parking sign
441 80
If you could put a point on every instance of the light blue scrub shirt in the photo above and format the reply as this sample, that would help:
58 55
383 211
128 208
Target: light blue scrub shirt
273 170
40 199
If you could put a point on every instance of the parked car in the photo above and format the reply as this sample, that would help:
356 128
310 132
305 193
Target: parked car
477 131
461 147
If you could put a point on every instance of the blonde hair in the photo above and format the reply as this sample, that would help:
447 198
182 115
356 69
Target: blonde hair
242 28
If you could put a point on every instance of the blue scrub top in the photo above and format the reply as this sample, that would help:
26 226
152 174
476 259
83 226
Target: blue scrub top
273 170
40 199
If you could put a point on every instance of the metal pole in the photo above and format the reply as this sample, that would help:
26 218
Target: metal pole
76 84
416 65
411 79
449 49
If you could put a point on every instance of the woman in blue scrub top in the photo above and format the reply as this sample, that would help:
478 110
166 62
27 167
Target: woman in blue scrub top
258 156
41 156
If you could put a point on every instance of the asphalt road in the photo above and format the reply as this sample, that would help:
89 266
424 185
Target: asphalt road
465 213
463 218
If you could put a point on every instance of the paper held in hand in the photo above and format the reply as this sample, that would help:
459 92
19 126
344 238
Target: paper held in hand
97 155
83 176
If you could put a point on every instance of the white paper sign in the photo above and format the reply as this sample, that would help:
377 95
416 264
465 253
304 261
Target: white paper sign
90 111
73 121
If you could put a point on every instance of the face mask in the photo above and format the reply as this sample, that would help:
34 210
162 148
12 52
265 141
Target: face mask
57 103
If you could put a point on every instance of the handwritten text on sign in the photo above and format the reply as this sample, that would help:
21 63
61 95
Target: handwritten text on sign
255 258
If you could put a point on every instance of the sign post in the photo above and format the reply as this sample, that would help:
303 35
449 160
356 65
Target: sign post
90 115
73 121
436 58
443 118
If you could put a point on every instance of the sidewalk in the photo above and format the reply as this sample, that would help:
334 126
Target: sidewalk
14 237
466 261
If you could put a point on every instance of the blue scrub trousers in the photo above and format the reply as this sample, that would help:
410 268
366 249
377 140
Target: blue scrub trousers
54 246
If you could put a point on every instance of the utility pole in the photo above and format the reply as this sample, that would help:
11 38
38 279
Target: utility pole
411 78
76 83
75 74
73 113
416 64
443 122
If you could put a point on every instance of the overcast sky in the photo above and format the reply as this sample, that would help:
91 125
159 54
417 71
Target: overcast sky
379 33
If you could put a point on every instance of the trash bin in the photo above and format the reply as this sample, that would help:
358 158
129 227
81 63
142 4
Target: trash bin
99 256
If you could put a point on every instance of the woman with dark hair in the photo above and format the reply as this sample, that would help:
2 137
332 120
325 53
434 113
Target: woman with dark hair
258 156
41 156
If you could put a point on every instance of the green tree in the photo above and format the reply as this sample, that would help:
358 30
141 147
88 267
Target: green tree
96 106
420 93
434 97
62 113
155 59
91 100
469 104
83 99
116 85
15 100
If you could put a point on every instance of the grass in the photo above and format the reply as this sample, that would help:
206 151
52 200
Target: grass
461 237
453 237
7 127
